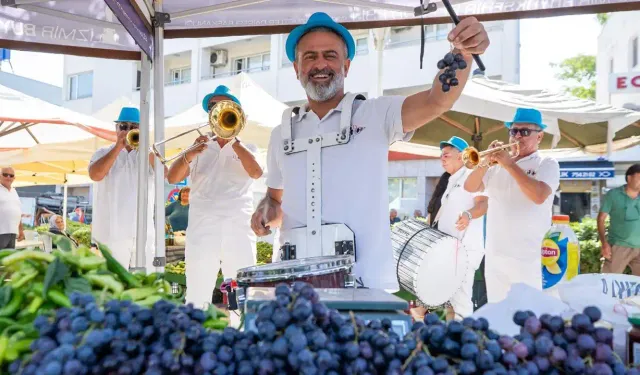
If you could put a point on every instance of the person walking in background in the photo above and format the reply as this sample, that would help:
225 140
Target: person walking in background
621 248
178 212
10 211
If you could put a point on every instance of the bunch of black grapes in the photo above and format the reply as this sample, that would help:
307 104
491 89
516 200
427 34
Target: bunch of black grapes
297 334
450 63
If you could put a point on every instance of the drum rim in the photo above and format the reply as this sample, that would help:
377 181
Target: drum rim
315 266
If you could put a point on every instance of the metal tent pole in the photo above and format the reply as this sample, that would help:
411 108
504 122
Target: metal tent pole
158 112
143 163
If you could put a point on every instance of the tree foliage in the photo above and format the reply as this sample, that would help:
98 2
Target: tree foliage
580 74
602 18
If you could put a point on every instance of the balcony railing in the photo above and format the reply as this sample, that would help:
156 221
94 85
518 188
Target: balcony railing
235 72
178 82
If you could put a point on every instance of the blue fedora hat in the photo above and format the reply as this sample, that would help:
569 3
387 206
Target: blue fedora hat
319 19
129 114
221 90
455 142
527 116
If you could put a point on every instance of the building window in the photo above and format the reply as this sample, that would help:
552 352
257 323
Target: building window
403 187
256 63
180 75
138 79
611 66
80 85
634 52
442 31
362 46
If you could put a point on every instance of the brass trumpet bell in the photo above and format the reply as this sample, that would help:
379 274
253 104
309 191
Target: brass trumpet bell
474 159
227 119
133 138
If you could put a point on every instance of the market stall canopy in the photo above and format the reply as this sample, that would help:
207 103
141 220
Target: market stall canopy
263 112
26 121
571 122
95 27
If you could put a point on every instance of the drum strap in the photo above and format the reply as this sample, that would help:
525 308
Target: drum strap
313 146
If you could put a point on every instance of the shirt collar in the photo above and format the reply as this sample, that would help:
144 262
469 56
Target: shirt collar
304 109
535 155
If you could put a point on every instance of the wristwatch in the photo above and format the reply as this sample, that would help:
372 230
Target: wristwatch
468 215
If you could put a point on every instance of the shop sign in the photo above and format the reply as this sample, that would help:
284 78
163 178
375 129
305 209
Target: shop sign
624 83
586 174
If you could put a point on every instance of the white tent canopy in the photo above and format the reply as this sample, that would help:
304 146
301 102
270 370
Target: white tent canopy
263 111
499 100
26 121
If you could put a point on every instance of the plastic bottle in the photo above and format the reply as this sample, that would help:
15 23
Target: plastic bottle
560 254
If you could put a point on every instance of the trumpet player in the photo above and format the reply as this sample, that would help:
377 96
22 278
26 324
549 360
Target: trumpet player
520 190
221 203
460 215
115 170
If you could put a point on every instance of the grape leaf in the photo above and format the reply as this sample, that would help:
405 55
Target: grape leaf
5 295
77 285
56 272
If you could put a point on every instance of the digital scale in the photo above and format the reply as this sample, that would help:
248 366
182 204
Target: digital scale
367 304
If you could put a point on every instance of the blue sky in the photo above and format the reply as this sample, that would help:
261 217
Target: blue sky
543 41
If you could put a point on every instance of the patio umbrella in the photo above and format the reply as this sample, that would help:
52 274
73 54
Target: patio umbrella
26 121
479 116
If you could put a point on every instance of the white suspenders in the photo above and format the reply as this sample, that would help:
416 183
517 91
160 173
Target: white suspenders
313 146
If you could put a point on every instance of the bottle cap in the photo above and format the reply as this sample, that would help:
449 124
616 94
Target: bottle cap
561 219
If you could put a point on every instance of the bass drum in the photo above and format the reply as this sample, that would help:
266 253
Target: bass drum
430 264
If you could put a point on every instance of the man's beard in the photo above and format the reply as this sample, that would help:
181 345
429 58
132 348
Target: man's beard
321 92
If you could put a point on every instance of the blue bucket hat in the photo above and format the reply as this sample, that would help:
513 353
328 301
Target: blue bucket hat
221 90
319 19
455 142
129 114
528 116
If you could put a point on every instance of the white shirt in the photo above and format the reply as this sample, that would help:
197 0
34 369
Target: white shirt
10 211
116 200
354 180
219 182
516 226
455 201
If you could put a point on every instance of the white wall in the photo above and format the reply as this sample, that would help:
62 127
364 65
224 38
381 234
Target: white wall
614 44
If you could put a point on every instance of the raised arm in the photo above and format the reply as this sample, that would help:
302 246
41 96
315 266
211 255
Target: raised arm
179 169
248 160
468 37
474 183
99 169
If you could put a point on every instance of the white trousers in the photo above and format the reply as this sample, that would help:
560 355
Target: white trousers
213 243
462 301
125 252
501 272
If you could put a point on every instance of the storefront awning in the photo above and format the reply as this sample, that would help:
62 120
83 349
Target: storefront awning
587 170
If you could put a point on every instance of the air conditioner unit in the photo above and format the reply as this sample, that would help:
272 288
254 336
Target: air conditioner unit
218 57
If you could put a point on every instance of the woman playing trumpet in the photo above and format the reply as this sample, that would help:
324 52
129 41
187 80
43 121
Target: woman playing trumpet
520 191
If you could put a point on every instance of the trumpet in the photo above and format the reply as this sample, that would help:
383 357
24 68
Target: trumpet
474 159
133 138
226 120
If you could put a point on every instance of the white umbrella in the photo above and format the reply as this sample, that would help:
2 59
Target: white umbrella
26 121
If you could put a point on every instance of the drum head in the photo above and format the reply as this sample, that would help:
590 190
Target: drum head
441 272
292 269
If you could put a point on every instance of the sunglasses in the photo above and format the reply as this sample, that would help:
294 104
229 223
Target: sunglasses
8 175
523 132
127 127
211 105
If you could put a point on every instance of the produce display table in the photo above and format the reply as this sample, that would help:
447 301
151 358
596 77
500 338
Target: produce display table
174 254
28 244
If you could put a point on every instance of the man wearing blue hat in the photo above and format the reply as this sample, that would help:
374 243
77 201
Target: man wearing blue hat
222 172
115 170
327 161
460 215
520 190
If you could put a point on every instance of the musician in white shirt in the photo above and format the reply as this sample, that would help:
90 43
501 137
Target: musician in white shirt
520 189
461 216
